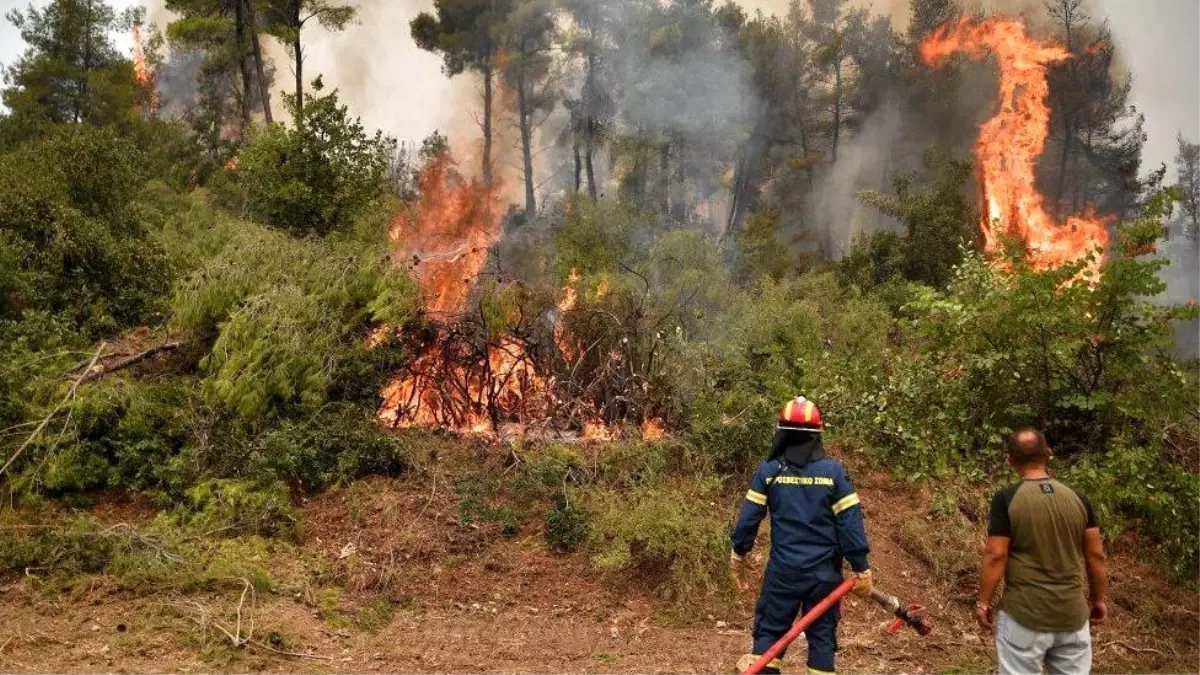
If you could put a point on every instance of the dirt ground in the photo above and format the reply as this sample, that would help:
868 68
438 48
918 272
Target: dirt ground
422 592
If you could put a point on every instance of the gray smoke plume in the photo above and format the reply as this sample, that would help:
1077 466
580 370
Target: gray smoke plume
1182 277
866 161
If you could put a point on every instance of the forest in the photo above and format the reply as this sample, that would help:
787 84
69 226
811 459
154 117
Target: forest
283 392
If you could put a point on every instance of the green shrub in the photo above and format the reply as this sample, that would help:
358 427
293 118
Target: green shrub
126 435
233 507
1004 348
336 445
566 525
71 240
283 316
317 176
1140 486
672 534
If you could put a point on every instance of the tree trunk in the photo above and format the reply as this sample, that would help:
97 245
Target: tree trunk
664 177
487 124
239 36
264 89
837 105
523 115
680 208
589 110
82 90
1061 185
298 55
578 165
588 152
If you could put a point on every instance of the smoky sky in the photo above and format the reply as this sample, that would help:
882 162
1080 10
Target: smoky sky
398 88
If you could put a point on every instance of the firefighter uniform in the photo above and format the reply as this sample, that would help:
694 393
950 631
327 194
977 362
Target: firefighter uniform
816 522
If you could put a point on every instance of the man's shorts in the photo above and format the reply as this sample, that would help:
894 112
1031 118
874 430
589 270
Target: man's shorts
1022 651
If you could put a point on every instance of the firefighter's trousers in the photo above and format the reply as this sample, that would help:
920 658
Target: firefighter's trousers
787 594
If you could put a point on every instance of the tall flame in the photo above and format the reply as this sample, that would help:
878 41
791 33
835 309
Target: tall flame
141 70
1010 142
447 235
569 300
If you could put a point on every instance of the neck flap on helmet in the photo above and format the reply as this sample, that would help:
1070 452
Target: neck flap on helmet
797 446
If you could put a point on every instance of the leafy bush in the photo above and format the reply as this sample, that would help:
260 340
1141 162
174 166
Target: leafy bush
316 177
669 533
566 525
336 445
74 244
1139 486
233 508
1006 348
126 435
283 316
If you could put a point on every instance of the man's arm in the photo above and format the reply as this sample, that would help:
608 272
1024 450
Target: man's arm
848 519
994 564
1097 573
992 568
754 507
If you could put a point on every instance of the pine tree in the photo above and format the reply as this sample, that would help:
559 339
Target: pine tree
70 73
462 31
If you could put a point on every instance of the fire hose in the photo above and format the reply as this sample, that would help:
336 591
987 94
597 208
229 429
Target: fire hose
906 615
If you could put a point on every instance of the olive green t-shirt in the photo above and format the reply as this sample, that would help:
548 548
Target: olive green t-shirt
1045 587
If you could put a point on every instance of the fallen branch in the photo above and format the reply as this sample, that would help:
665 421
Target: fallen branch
46 420
91 374
235 636
1136 650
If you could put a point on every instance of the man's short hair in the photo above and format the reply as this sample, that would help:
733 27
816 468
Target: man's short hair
1028 446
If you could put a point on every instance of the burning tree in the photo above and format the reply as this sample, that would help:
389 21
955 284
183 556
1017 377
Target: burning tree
1010 143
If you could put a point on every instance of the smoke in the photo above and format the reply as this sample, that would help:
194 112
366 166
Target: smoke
1182 277
865 162
383 76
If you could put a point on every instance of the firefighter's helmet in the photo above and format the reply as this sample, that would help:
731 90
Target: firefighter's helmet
801 414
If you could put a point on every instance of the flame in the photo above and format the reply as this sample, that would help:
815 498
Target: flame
443 388
596 430
447 236
653 429
570 298
141 70
1010 142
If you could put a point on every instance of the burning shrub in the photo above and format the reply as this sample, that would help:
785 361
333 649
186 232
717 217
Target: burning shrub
1074 358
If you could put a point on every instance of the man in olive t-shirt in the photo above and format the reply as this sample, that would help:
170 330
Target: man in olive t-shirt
1043 540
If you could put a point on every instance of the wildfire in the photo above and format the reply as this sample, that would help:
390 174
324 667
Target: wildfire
653 429
506 381
141 70
1010 142
448 235
570 299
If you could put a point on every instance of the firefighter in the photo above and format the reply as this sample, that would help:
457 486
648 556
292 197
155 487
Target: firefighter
816 522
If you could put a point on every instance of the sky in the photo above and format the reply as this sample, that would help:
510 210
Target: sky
1159 40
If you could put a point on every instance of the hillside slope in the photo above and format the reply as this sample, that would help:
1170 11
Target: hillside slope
398 583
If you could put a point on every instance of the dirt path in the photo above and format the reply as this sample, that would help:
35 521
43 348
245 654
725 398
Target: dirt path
472 601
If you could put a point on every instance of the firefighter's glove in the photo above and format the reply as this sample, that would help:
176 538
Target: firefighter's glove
738 565
864 585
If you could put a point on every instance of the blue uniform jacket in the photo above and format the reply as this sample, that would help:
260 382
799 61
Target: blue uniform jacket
816 519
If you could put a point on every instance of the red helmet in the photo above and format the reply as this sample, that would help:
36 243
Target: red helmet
801 414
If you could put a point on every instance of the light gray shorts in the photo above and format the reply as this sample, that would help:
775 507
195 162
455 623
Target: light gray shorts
1022 651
